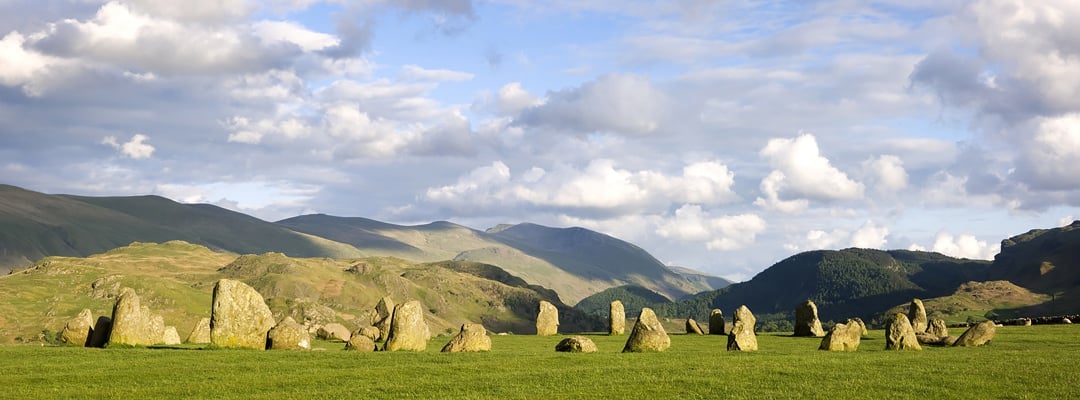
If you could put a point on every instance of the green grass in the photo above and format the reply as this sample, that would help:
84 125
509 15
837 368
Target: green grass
1038 362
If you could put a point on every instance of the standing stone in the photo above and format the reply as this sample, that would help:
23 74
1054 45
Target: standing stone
806 320
917 315
938 328
133 324
547 319
171 337
741 337
385 309
102 329
334 331
78 330
977 335
360 343
408 330
239 316
473 337
200 333
692 327
617 319
576 344
716 322
648 334
899 335
288 335
862 325
371 332
842 337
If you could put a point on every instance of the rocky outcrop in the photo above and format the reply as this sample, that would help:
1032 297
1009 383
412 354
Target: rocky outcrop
692 327
899 335
576 344
977 335
408 331
200 333
716 322
239 316
547 319
472 337
917 316
288 335
842 337
617 319
78 330
742 337
648 334
806 320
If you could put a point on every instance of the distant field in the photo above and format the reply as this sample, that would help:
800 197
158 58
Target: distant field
1040 362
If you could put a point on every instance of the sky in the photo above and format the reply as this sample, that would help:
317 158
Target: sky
719 135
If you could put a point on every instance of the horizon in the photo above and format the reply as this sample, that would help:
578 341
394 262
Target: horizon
719 135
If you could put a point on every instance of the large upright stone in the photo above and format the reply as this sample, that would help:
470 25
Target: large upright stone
842 337
78 330
385 311
862 325
692 327
200 333
742 337
576 344
408 331
617 319
288 335
716 322
239 316
899 335
938 328
133 324
648 334
806 320
473 337
547 319
917 315
977 335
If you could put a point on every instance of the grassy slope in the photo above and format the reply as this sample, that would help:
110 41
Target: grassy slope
975 299
1022 362
176 280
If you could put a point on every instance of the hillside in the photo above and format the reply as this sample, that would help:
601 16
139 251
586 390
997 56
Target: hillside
982 300
1044 260
843 283
176 279
35 225
575 262
633 298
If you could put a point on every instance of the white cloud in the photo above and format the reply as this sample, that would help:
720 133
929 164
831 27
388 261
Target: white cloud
197 11
1066 220
291 32
887 172
725 233
613 103
805 172
134 148
22 67
512 99
413 72
964 246
770 186
1053 154
871 235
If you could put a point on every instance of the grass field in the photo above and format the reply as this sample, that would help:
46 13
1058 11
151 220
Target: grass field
1040 362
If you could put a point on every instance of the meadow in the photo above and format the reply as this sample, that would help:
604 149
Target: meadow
1040 362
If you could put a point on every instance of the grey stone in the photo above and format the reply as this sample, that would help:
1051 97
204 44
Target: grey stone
648 334
742 337
806 320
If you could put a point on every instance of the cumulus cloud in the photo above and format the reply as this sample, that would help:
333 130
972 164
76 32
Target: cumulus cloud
134 148
613 103
725 233
294 33
871 235
413 72
1053 153
964 246
887 173
801 173
23 67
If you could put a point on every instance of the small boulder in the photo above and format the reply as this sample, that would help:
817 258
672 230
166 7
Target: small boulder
473 337
360 343
239 317
977 335
385 311
806 320
648 334
716 322
917 316
741 337
842 337
171 337
692 327
288 335
78 330
547 319
938 328
334 331
576 344
899 335
408 331
371 332
617 318
200 333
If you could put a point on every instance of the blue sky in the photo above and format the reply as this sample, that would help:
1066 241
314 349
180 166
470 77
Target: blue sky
718 135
